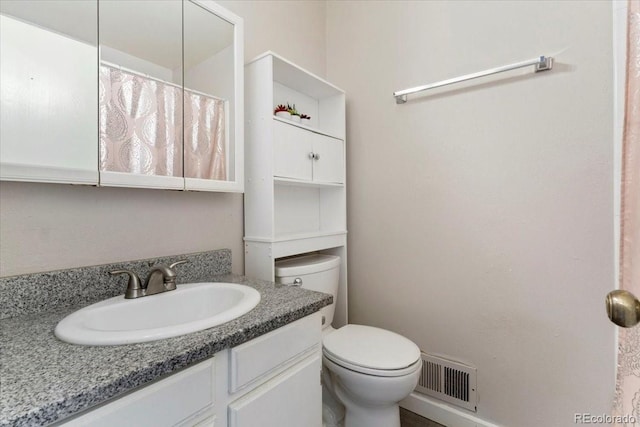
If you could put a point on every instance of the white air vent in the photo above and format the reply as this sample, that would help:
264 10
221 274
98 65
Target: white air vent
450 381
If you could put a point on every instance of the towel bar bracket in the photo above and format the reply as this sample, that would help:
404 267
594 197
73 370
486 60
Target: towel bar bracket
545 64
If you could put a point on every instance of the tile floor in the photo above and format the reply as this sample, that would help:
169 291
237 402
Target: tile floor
410 419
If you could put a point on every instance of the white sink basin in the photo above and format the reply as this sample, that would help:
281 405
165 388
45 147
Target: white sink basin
191 307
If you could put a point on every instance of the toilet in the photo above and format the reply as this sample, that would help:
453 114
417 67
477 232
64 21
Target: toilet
366 369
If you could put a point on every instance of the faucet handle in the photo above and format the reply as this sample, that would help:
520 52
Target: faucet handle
134 288
170 276
182 261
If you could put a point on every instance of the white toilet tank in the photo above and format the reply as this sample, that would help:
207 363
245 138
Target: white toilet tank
318 273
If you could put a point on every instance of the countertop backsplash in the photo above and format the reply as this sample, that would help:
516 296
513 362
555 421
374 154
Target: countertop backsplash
54 290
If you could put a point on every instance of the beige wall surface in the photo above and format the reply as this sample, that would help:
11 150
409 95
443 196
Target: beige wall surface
48 226
294 29
480 216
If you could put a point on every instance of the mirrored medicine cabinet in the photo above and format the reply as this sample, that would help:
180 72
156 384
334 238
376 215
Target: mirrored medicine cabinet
128 93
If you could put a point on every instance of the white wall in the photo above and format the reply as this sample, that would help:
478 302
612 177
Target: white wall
47 226
480 217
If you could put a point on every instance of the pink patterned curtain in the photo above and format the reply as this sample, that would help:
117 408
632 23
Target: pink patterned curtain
141 127
140 124
628 381
204 138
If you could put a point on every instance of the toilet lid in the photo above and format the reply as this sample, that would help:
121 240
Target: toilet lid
369 347
307 264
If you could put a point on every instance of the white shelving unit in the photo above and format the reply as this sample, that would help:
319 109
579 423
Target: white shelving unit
295 186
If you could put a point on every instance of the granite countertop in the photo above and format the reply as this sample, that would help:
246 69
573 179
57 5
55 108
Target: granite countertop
43 380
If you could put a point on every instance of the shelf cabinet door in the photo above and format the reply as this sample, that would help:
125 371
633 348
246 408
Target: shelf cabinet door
293 399
293 151
328 165
292 147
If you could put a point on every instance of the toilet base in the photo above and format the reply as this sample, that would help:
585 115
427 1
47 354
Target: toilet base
332 410
369 401
329 418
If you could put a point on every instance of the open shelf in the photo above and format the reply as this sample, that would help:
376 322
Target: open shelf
301 183
300 211
300 236
296 236
295 244
306 127
298 78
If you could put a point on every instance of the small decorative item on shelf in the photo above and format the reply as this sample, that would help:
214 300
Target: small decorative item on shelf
282 111
295 116
305 119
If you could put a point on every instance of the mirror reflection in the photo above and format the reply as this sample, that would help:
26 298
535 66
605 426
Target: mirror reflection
141 87
166 89
48 69
70 18
208 96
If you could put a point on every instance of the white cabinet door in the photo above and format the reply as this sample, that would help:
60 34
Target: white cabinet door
258 357
293 399
166 402
308 156
291 149
328 165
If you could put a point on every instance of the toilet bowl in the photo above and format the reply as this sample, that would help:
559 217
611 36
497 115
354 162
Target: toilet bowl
372 369
367 369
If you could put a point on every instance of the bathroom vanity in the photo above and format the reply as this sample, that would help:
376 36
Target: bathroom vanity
270 381
262 368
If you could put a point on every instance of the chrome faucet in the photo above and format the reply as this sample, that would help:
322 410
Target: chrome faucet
161 278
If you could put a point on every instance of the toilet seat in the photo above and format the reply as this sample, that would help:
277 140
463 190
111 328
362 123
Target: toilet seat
372 351
373 372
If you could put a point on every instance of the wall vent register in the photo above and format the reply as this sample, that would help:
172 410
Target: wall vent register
450 381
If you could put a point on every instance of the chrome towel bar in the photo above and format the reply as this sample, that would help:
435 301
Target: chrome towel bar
542 63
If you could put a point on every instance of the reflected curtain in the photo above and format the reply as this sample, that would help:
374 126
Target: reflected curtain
205 137
627 401
140 124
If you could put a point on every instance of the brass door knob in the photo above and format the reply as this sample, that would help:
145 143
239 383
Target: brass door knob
623 308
